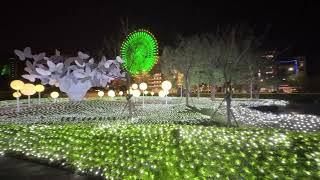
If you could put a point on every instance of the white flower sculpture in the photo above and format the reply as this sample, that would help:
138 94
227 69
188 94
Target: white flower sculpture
73 75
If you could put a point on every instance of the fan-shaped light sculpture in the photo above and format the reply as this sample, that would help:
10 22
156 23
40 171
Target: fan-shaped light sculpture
139 51
28 90
39 88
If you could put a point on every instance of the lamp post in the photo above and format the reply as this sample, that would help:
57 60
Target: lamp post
143 87
28 90
166 86
17 95
39 88
54 95
17 85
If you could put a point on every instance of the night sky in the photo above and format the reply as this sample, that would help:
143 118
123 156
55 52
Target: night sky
79 25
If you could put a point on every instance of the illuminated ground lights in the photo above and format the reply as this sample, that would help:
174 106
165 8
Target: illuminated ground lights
168 151
97 137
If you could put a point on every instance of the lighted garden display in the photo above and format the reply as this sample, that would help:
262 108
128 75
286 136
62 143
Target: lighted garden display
112 119
73 75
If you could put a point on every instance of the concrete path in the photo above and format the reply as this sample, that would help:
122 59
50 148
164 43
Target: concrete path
18 169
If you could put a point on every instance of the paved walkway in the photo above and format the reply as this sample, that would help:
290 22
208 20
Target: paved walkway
17 169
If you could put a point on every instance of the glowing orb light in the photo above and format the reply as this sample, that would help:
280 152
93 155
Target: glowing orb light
39 88
136 93
28 89
162 93
143 86
120 93
166 85
134 86
145 92
100 93
54 94
16 84
152 93
111 93
16 94
139 52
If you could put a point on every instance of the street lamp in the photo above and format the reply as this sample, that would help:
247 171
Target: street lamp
28 90
39 88
166 86
54 95
17 85
143 87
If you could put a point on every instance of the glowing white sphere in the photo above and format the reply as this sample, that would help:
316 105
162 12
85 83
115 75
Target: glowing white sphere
111 93
28 89
16 94
152 93
145 92
134 86
143 86
54 94
120 93
39 88
16 84
166 85
136 93
162 93
100 93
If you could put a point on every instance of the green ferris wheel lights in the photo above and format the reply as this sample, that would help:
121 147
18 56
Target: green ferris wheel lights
139 52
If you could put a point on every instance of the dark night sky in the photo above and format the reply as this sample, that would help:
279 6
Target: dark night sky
81 25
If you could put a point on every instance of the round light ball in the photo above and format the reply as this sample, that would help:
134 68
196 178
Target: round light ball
152 93
145 92
28 89
100 93
111 93
162 93
16 94
166 85
134 86
54 94
120 93
136 93
16 84
143 86
39 88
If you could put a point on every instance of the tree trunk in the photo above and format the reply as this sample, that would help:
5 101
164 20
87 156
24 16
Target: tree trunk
251 88
228 100
198 91
187 88
213 91
129 103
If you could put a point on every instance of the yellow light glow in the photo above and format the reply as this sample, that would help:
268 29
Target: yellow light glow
39 88
134 86
111 93
16 84
16 94
100 93
120 93
166 85
28 89
143 86
54 94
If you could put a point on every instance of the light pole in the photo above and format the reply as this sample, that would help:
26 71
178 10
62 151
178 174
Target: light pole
39 88
166 86
17 85
143 87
